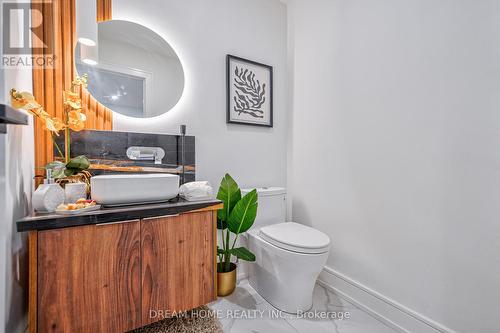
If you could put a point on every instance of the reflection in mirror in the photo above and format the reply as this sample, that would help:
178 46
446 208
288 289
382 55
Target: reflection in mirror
137 74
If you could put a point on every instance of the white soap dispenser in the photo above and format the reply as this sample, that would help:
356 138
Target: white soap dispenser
48 196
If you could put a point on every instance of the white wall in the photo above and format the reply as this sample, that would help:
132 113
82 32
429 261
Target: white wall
16 174
202 33
396 113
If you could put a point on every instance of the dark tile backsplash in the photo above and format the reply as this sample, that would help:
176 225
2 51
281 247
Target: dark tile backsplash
109 148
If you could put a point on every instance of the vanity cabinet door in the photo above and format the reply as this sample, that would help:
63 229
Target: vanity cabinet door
89 278
178 263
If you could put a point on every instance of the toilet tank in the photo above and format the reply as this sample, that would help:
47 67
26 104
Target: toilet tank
271 205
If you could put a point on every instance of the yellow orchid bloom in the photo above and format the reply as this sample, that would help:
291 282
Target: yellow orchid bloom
76 126
77 115
76 120
54 125
58 124
72 100
23 100
39 112
26 101
80 81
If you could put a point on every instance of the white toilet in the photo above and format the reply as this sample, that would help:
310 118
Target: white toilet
289 256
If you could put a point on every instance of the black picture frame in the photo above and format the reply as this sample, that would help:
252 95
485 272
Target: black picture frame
229 85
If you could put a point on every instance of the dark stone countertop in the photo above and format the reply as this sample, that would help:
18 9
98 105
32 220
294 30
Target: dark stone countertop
48 221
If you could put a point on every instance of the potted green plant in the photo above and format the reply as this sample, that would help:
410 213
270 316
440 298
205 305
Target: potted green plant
237 216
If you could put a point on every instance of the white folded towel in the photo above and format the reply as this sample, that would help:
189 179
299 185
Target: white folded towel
196 191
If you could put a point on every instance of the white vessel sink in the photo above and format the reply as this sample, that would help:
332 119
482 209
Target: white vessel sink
129 189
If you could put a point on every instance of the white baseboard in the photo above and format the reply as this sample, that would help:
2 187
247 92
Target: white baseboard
390 312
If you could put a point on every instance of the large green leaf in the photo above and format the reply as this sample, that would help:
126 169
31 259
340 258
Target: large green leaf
243 214
55 165
243 253
78 163
58 168
59 173
69 172
229 193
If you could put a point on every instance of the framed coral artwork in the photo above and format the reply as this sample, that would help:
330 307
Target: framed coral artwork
249 92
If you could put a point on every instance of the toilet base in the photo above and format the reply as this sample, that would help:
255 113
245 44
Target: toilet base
284 278
279 296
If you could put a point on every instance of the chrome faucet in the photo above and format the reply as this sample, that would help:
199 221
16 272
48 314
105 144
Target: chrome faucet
155 154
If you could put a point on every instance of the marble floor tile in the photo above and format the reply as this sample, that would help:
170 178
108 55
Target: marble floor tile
245 311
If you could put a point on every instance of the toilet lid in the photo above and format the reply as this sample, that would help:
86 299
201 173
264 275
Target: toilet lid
296 237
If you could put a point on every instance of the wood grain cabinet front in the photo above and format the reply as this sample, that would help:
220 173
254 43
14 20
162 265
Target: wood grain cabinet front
89 278
178 266
116 277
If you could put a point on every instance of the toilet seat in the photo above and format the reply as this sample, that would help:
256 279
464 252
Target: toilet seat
296 237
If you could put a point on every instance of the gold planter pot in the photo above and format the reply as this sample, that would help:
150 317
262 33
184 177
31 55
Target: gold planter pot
226 282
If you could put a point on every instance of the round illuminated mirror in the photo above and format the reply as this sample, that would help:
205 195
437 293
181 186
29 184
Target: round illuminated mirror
131 70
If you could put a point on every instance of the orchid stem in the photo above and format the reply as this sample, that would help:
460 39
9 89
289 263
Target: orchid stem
57 146
67 138
227 259
67 142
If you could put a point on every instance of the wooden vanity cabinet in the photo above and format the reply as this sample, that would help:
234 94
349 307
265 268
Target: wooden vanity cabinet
89 278
115 277
178 263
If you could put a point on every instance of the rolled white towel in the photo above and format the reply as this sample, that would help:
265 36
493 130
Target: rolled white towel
196 191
